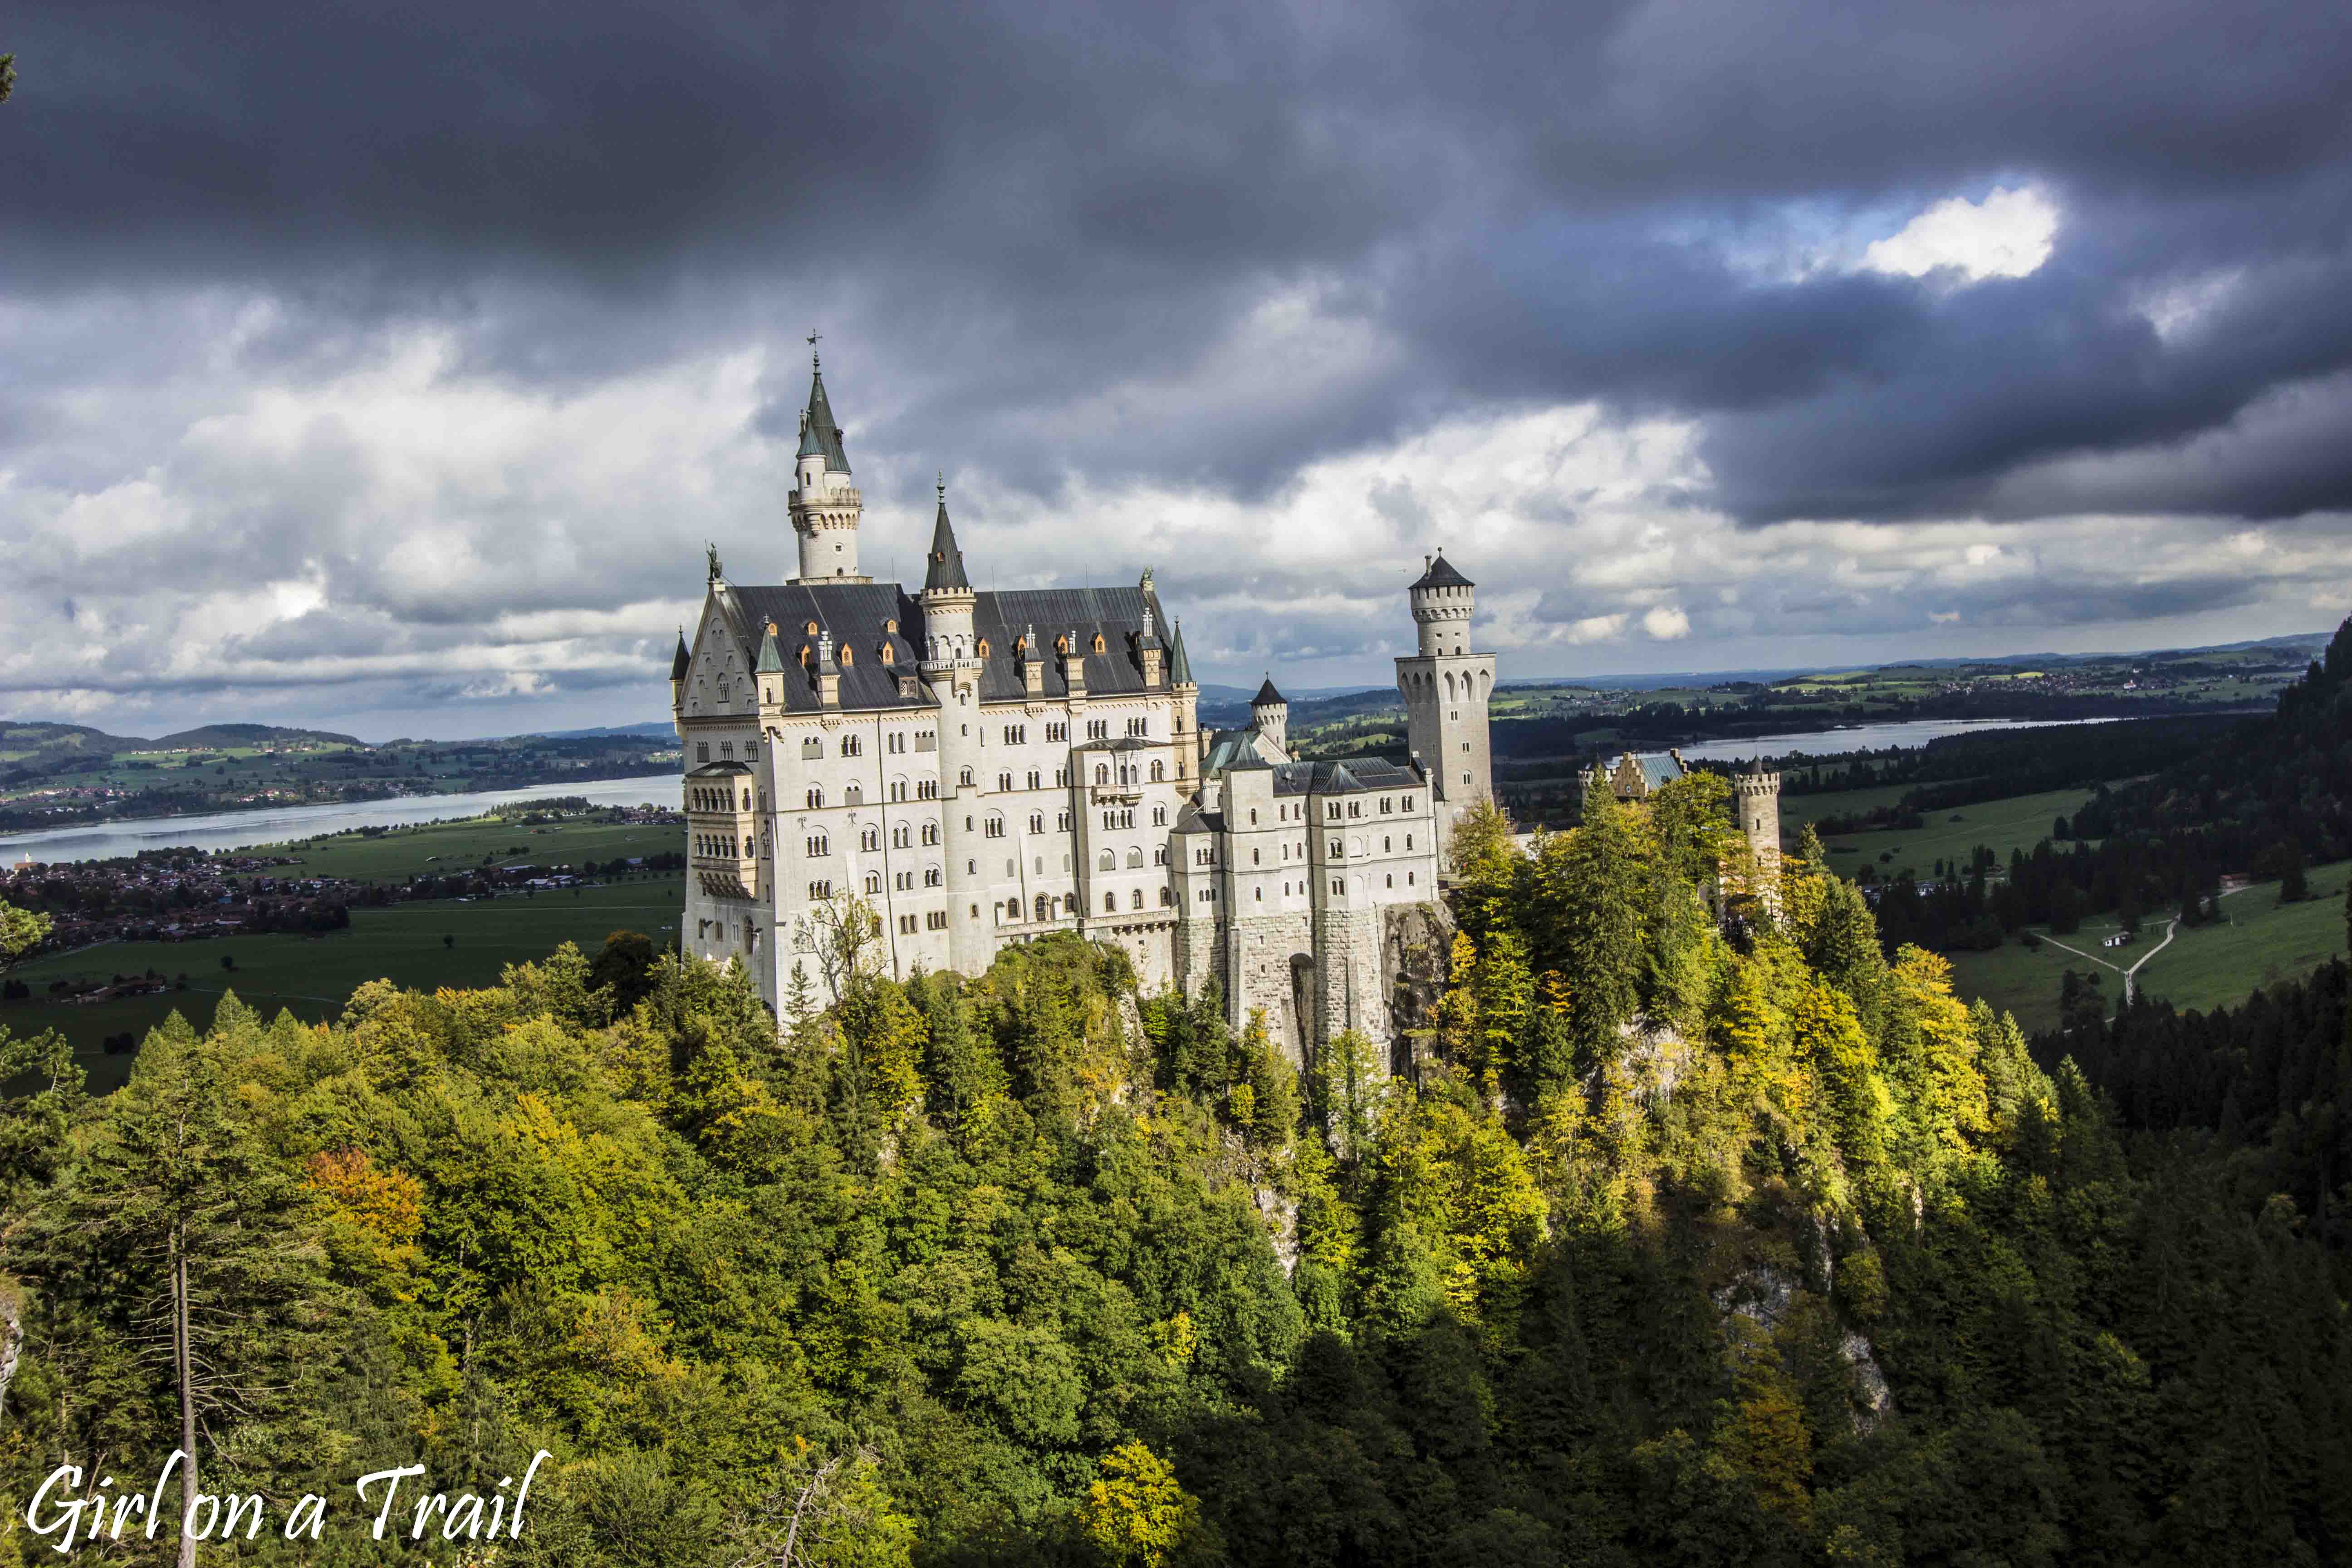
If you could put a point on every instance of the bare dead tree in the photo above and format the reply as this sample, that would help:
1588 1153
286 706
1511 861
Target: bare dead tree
814 1504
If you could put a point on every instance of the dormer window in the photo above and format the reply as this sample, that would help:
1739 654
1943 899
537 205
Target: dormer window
1098 642
983 647
812 628
888 657
848 654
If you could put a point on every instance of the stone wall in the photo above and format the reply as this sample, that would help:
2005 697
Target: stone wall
1263 954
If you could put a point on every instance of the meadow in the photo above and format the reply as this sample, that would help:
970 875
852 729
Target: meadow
2258 941
2017 822
425 945
392 854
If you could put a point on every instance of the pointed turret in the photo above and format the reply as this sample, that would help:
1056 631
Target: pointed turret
1179 667
1267 697
680 661
1270 712
826 506
772 657
820 436
945 561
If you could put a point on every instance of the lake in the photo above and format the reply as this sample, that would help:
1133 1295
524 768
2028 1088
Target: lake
276 824
1862 738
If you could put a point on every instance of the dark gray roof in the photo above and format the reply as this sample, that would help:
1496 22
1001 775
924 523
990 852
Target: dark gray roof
857 613
717 770
1442 576
772 660
681 662
820 436
1349 776
1179 667
945 570
1266 694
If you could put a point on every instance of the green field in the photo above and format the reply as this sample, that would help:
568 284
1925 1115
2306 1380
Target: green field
312 975
2257 942
2019 821
445 846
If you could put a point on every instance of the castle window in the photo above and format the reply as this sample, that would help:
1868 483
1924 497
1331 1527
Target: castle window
811 749
1252 816
1045 907
1408 840
1384 844
873 881
1102 772
898 789
1339 885
1160 853
848 654
1110 903
963 778
1036 822
751 748
927 789
1004 781
853 745
820 891
1034 779
804 656
1257 895
1099 644
891 626
1407 879
819 844
934 877
1391 878
812 628
899 836
994 827
1097 729
1061 778
870 839
905 881
1134 859
1158 770
1167 897
852 795
702 750
1254 856
1135 898
1384 806
816 797
1337 851
983 647
1139 727
1057 732
1062 821
1408 806
936 919
888 657
926 741
1159 816
930 833
1108 861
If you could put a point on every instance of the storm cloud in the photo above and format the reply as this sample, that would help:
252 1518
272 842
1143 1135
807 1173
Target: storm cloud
355 354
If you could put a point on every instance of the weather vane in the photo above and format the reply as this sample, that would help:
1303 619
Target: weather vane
814 336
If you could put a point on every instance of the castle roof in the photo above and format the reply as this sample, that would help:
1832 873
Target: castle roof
1440 574
1344 776
864 619
1266 694
1179 667
820 436
945 572
681 662
772 660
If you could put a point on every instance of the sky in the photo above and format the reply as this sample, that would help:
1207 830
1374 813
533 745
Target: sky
386 369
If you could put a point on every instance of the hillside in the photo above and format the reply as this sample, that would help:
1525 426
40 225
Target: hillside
22 738
1669 1242
251 736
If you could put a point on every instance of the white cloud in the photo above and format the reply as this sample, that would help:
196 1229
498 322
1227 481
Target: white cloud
2010 233
1666 623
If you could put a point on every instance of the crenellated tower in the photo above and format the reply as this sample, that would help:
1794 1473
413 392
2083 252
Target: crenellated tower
951 668
1446 688
1270 714
1756 792
826 506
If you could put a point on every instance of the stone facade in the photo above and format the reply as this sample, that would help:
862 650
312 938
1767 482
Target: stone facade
979 769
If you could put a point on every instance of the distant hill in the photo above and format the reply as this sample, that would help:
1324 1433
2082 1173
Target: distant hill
658 727
223 735
22 738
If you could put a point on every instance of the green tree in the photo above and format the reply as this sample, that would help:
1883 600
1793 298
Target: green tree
1135 1512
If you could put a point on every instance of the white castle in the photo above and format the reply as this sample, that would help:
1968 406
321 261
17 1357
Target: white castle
981 769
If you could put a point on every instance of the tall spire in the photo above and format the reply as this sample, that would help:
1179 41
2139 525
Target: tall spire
820 436
945 570
1179 668
679 662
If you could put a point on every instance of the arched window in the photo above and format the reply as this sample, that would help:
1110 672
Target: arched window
1158 770
930 833
853 795
1110 903
816 797
933 877
873 881
1108 862
869 838
1167 897
1102 772
964 778
1043 907
1134 859
1135 898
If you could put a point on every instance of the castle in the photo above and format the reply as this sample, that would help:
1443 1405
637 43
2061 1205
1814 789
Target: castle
983 769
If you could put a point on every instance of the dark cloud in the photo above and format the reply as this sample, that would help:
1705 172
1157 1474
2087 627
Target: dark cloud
1192 250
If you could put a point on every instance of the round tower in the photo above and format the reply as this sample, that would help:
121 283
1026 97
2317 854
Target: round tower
1756 793
1270 713
826 506
1442 603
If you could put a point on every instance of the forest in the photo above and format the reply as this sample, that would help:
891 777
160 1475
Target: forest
1697 1227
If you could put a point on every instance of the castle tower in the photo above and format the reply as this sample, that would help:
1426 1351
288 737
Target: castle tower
1446 687
1270 712
825 505
1756 792
951 667
1187 703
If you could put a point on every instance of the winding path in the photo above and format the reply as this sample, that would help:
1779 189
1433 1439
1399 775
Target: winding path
2170 927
